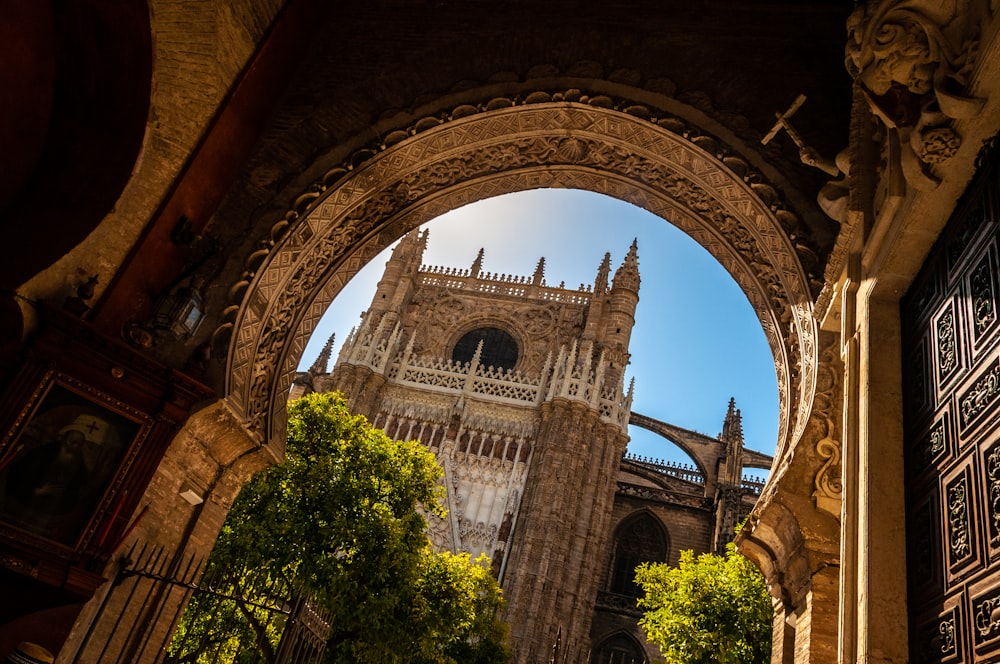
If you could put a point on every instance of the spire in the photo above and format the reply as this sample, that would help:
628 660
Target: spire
323 359
413 242
627 276
477 264
539 275
732 426
601 283
409 252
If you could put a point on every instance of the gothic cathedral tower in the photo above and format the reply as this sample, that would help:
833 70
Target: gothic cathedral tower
518 387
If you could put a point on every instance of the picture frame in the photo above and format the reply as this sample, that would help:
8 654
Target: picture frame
63 462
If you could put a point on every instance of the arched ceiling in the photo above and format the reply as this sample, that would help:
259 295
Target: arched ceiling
76 77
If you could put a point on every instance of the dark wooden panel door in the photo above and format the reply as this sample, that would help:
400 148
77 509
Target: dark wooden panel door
951 341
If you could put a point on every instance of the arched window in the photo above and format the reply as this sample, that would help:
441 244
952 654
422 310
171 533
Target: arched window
499 348
619 649
640 539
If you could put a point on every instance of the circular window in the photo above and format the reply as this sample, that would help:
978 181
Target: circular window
499 348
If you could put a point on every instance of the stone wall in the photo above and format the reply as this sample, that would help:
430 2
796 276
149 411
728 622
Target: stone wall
564 531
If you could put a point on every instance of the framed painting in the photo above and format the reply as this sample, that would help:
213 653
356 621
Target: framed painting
63 461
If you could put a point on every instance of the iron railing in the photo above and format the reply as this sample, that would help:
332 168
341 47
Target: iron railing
239 611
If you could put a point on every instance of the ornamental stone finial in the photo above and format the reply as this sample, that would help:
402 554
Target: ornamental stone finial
601 283
477 265
627 275
539 277
732 426
320 366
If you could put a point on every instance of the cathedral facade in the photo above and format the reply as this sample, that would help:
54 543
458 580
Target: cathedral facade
519 389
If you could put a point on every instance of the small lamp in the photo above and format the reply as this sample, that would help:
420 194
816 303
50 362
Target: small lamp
180 311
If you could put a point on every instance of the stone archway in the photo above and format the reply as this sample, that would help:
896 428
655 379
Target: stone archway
564 141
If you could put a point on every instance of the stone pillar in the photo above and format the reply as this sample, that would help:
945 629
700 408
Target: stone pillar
782 634
880 579
562 532
851 356
802 580
816 620
793 534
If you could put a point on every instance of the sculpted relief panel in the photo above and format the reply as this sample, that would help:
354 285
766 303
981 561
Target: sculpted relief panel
913 62
353 214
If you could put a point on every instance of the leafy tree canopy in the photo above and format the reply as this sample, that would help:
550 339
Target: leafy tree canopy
340 521
708 610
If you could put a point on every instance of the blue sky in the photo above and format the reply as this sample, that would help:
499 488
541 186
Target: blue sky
696 342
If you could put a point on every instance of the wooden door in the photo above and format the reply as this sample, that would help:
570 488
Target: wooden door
951 360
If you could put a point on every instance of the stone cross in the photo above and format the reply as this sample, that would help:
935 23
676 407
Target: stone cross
783 123
808 155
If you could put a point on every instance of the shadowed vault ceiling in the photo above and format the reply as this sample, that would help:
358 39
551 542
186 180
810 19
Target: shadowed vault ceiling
377 66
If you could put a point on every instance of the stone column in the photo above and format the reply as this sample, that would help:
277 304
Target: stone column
881 551
851 356
782 634
816 620
804 581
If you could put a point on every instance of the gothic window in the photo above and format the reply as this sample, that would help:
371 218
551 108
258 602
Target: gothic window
619 649
638 540
499 348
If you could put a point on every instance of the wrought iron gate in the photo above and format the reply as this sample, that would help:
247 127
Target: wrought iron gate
137 620
952 392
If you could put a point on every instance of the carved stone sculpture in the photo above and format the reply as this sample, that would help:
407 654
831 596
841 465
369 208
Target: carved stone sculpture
913 61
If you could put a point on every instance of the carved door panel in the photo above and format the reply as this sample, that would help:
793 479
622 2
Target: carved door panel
951 361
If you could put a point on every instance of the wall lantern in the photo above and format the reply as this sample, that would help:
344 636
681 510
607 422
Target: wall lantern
180 311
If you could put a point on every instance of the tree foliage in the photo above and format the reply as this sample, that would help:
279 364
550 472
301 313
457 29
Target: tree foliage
708 610
340 521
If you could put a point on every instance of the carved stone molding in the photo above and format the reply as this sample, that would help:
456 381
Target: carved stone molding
483 500
829 486
664 495
913 59
355 213
424 406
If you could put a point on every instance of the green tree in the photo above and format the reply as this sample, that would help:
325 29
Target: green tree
456 604
708 610
340 521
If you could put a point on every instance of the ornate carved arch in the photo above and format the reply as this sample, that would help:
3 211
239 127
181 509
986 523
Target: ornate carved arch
344 221
616 646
